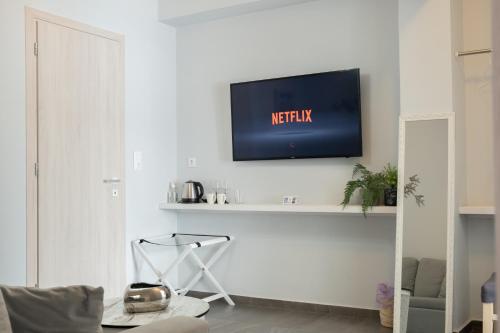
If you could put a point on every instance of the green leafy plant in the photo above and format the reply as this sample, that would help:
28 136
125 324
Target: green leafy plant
372 186
391 176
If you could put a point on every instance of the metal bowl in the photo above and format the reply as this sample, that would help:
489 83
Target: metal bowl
145 297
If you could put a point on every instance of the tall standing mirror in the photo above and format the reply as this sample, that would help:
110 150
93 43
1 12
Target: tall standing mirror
425 214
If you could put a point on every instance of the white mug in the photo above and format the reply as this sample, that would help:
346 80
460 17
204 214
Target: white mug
211 198
221 198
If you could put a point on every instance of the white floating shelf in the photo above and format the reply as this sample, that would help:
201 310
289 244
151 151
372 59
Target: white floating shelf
278 208
477 210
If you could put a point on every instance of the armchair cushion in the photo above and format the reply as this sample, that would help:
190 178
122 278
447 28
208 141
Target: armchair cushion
428 303
409 273
442 291
76 309
4 317
429 278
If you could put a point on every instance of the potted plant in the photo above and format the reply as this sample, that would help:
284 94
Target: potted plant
391 185
371 184
375 186
385 302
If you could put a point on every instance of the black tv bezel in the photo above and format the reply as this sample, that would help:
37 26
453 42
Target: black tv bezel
360 154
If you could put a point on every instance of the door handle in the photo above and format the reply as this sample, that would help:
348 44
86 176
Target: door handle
111 180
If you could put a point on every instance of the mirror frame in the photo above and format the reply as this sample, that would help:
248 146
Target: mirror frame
403 120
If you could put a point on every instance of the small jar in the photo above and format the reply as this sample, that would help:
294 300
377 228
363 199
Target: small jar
172 193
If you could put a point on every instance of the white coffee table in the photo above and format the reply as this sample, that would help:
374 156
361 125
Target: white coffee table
116 316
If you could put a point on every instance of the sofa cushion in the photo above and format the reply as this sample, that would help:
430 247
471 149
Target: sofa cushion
76 309
426 320
409 273
429 278
442 291
428 303
4 317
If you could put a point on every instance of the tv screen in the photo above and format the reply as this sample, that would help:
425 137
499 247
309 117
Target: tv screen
306 116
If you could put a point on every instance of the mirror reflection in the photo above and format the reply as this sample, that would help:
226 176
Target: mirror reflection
423 295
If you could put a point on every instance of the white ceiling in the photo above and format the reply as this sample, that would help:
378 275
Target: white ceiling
185 12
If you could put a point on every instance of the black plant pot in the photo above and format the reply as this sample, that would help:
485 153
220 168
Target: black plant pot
391 197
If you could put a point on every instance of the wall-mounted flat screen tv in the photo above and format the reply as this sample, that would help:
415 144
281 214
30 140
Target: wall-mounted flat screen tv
306 116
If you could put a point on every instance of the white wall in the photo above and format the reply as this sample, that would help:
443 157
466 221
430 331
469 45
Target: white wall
478 149
338 260
183 12
425 56
432 81
478 109
461 294
150 92
178 8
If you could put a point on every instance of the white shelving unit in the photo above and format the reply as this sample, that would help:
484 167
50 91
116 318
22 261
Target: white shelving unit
477 210
278 208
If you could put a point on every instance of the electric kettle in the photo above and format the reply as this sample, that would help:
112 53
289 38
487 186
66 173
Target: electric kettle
192 192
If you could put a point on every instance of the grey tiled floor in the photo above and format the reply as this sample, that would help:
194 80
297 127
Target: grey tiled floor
246 318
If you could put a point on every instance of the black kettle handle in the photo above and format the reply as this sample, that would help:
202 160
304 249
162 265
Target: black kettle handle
201 190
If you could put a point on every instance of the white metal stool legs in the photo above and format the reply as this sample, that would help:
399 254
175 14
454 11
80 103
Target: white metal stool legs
209 264
158 273
488 298
163 276
205 270
488 317
188 251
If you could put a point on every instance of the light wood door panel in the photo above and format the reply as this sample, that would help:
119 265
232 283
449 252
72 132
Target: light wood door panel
80 144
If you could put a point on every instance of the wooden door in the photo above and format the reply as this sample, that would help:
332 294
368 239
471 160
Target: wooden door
80 158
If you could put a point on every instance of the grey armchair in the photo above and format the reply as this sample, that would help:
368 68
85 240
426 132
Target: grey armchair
426 282
76 309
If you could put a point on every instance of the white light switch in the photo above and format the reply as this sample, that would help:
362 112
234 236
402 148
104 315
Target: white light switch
137 160
192 162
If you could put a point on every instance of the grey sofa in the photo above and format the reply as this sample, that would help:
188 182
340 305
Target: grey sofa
76 309
426 282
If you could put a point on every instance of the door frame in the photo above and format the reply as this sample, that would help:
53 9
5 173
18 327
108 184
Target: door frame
32 16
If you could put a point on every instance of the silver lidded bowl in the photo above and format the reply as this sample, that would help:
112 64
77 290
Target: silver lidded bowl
145 297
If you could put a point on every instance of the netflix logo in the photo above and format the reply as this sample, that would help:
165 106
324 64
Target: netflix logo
295 116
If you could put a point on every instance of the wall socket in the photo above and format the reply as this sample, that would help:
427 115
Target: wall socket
192 162
137 160
290 200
